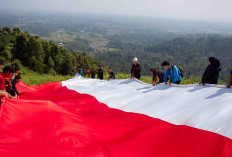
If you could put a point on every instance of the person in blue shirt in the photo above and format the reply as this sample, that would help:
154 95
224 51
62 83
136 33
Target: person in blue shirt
173 71
80 71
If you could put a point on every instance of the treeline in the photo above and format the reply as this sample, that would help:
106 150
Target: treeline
188 53
39 55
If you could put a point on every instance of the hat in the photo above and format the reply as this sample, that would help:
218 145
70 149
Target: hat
135 59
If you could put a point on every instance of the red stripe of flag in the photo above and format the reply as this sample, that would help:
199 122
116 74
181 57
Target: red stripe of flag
52 121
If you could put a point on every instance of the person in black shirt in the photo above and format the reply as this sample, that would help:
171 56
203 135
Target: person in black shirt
111 73
135 69
230 82
14 81
156 73
99 72
211 73
93 73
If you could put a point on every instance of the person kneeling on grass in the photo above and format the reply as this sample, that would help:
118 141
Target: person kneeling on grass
156 73
111 73
5 83
173 71
230 82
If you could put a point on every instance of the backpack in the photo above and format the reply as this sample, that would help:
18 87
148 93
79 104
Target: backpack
181 72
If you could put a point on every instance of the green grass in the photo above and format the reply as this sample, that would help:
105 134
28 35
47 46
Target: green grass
32 78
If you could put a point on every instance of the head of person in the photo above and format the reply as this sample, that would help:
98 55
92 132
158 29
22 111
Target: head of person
98 66
16 70
214 62
166 65
17 79
8 71
1 63
152 70
110 69
211 60
135 60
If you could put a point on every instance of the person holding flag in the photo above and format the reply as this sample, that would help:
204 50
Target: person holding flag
136 69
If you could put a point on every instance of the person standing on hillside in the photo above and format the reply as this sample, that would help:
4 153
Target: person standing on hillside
230 82
173 71
156 73
80 71
99 72
111 73
211 73
136 69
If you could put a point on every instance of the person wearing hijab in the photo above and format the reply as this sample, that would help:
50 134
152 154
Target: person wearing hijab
212 71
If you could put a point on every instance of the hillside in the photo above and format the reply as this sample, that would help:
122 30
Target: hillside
41 56
189 54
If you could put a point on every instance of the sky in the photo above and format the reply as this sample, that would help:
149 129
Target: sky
218 10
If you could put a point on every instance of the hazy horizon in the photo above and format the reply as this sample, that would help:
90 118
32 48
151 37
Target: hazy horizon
210 10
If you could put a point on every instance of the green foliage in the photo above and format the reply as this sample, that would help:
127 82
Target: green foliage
191 55
41 56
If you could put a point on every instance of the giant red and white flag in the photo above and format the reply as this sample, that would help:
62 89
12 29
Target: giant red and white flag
119 118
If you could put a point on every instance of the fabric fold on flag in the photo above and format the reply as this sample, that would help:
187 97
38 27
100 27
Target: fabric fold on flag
53 120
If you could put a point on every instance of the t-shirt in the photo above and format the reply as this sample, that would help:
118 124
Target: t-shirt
160 75
93 74
100 74
111 75
2 82
136 70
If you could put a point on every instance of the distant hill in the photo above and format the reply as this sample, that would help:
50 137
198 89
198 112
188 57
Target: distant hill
189 54
115 40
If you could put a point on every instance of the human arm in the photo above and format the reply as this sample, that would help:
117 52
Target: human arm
3 93
166 76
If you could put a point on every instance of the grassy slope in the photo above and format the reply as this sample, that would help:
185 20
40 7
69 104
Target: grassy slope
33 78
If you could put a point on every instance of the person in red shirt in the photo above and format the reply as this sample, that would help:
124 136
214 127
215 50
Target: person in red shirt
5 76
135 69
230 81
8 72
